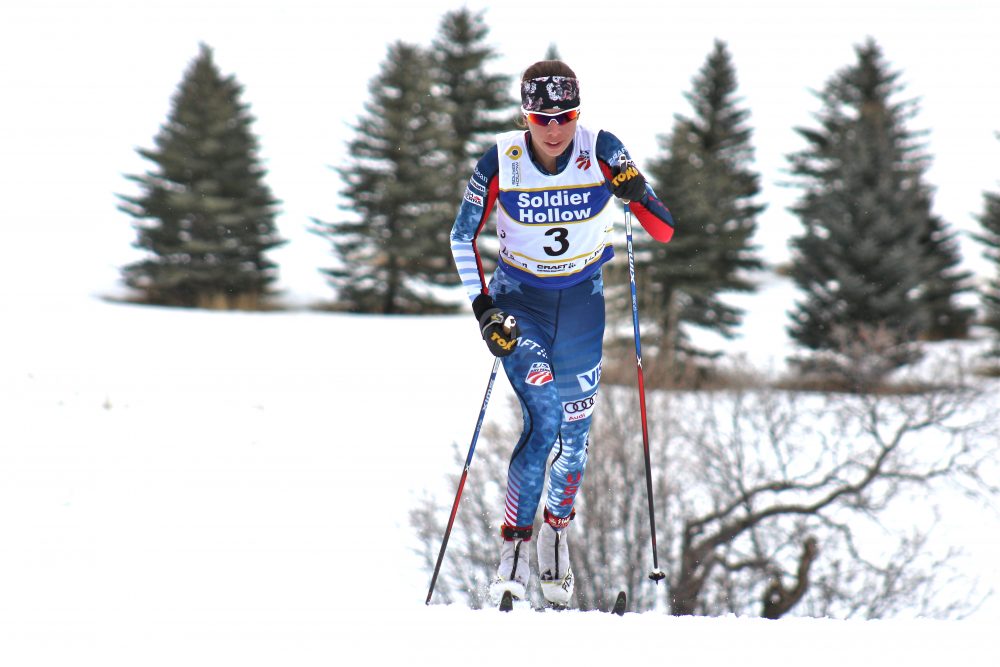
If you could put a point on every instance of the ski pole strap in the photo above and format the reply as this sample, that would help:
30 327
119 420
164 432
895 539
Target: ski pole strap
511 533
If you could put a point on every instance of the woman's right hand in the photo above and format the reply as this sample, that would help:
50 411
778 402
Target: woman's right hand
499 329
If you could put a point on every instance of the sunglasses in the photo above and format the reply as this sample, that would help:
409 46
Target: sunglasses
543 119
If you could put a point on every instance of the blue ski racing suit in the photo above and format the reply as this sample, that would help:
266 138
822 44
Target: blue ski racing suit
555 232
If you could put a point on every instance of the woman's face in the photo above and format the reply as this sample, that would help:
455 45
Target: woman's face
552 139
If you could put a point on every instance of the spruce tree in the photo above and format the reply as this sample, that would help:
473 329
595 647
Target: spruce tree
478 102
707 181
859 261
990 237
396 251
947 319
874 263
204 214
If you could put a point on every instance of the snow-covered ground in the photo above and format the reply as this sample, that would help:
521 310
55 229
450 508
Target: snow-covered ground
187 487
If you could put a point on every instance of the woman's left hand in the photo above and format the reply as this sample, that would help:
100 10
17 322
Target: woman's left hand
627 182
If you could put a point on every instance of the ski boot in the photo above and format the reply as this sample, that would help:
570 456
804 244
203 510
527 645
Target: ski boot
554 572
512 574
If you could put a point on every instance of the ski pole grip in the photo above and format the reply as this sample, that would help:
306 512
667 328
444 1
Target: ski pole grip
622 166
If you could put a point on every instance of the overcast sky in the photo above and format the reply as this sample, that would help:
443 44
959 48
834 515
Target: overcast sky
83 86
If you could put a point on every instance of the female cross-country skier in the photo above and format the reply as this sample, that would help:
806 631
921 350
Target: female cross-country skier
543 310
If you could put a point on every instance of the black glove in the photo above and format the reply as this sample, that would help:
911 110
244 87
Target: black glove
626 181
499 329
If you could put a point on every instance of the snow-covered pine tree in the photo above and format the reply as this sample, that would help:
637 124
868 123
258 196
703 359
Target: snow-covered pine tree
947 318
707 181
990 237
204 214
396 250
876 266
478 102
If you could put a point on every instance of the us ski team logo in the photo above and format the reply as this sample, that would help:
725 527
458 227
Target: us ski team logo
473 198
540 373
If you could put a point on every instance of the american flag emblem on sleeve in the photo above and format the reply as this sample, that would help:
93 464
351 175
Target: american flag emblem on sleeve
540 373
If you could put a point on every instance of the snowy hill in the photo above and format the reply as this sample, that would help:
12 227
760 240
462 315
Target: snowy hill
240 497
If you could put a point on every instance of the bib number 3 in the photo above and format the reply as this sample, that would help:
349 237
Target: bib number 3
559 235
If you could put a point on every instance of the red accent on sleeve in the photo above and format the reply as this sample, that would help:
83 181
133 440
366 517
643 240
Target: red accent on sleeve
605 169
655 226
491 198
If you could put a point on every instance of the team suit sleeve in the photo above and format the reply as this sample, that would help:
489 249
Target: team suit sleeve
477 204
651 213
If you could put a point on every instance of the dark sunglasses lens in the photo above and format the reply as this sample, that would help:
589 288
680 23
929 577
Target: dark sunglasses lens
560 119
569 116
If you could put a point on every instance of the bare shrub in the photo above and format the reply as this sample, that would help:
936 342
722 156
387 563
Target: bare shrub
767 503
860 361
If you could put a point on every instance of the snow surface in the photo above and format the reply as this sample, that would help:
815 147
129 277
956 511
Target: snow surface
183 487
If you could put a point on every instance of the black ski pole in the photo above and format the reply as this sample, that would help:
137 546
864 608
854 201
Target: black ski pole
461 482
656 574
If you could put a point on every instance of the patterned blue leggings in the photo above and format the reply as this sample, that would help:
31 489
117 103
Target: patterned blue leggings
555 373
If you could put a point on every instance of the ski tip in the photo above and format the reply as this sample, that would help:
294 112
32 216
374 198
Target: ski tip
506 602
621 604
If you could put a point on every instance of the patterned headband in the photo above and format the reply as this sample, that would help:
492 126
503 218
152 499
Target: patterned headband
550 92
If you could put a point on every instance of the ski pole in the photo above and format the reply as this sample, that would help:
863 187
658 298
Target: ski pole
656 574
465 474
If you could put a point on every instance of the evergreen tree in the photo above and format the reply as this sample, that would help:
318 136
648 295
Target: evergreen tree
478 102
392 256
205 214
873 258
990 237
707 181
945 281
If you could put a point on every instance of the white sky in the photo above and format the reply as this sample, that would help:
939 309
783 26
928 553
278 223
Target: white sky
84 86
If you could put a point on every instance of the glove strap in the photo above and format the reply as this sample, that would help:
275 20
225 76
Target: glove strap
481 304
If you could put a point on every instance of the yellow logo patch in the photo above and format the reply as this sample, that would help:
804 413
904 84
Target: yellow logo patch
626 175
505 343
